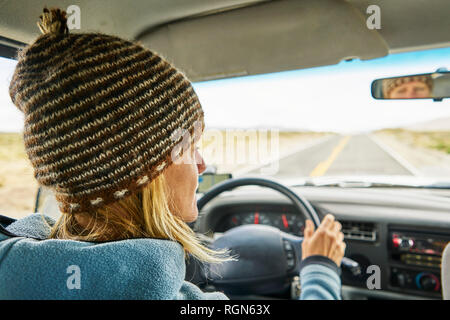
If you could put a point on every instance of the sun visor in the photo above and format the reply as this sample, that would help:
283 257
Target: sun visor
269 37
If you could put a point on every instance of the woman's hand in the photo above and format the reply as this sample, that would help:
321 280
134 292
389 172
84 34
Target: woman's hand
326 241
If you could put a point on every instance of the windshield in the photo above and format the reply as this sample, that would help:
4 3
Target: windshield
323 123
305 124
17 184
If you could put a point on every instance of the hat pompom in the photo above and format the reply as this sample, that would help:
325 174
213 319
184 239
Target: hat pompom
53 21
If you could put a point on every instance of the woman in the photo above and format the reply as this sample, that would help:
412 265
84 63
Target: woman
111 127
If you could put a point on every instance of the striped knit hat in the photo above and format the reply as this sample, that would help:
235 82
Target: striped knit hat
103 116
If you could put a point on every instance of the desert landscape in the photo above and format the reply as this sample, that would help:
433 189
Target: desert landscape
235 151
18 188
425 145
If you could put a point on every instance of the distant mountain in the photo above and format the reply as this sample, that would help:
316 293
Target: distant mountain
281 129
441 124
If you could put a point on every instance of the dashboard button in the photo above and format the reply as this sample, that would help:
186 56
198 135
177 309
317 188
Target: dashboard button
401 280
290 263
287 245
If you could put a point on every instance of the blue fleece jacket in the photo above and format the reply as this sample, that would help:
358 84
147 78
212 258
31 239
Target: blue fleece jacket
34 267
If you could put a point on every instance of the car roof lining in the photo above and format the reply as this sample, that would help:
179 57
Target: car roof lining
241 42
227 38
116 17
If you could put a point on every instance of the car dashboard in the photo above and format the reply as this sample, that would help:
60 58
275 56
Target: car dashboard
399 232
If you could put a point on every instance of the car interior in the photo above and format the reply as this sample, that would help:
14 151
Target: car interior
396 231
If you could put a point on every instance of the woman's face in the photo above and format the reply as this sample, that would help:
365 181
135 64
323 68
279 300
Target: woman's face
182 181
411 90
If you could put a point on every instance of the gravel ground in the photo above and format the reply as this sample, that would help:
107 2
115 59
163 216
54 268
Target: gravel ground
17 188
428 161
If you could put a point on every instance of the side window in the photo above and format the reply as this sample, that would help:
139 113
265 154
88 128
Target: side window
17 184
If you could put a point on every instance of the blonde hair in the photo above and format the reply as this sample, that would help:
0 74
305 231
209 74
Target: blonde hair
145 214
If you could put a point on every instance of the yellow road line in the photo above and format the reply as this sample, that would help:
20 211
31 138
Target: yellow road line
324 165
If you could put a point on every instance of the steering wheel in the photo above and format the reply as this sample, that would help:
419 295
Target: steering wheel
268 258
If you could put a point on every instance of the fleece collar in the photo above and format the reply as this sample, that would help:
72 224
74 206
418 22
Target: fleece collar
34 267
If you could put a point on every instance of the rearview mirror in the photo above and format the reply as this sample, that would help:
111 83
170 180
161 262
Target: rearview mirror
434 86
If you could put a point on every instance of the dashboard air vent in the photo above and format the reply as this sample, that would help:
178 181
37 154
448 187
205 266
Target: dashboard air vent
364 231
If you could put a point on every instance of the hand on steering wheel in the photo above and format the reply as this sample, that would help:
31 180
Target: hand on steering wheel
327 240
268 257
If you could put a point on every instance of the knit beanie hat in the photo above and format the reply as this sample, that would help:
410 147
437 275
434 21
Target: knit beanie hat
103 116
390 84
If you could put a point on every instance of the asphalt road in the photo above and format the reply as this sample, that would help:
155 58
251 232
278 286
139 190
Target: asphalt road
339 155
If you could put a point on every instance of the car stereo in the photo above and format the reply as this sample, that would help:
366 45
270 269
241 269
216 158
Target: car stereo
416 261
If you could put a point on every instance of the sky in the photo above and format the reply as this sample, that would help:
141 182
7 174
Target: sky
331 98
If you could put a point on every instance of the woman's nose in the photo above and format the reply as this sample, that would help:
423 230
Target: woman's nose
201 166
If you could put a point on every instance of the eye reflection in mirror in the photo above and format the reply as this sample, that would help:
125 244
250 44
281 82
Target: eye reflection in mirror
414 87
410 90
422 86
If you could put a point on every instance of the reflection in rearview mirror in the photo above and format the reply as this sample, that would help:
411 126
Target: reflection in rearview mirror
420 86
